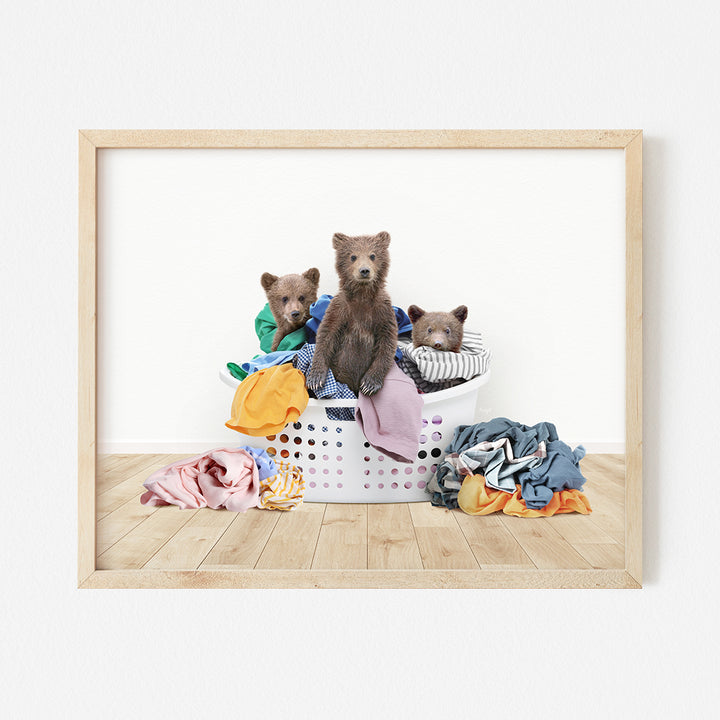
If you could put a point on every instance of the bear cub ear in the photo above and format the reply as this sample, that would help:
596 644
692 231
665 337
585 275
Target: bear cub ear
384 238
313 275
415 313
460 312
339 240
267 280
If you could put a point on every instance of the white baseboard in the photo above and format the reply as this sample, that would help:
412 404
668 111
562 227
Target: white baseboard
110 447
600 448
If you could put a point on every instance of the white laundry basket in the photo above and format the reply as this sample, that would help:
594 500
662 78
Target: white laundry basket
339 465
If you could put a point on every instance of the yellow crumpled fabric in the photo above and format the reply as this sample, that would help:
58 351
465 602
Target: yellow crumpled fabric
475 498
267 400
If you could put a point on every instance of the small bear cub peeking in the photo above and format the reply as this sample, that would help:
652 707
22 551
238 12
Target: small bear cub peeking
290 298
358 335
438 330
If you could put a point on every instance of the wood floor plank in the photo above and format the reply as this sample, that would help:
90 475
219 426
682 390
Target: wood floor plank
608 513
135 548
242 543
492 544
343 539
392 544
577 528
605 488
603 556
424 514
113 526
130 465
117 495
543 545
607 467
292 542
104 463
441 543
444 547
193 541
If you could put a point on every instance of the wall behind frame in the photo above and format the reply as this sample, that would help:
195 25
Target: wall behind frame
531 240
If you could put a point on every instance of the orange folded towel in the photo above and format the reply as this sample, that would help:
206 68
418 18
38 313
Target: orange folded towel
267 400
475 498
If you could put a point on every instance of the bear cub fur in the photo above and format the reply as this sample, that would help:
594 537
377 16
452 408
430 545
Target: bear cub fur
358 335
438 330
290 298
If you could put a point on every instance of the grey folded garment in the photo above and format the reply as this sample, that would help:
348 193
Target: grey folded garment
434 370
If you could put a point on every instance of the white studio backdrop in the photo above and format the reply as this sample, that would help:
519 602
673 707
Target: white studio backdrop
532 241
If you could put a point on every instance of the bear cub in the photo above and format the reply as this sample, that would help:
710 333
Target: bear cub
358 335
438 330
290 298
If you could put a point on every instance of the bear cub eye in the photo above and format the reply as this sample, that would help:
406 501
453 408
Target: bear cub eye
302 299
285 298
447 331
429 330
372 257
353 258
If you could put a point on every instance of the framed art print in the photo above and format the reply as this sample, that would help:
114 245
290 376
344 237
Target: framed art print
537 233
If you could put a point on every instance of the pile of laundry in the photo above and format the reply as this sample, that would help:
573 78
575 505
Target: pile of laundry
505 465
231 478
272 391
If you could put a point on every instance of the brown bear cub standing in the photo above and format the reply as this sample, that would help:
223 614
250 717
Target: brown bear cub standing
290 298
438 330
357 337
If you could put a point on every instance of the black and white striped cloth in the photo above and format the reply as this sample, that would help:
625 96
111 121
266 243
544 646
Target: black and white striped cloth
435 370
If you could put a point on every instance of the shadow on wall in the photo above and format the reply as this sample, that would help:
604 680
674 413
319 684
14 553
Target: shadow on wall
656 198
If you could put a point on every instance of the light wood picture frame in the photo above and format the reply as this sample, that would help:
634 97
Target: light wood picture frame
92 141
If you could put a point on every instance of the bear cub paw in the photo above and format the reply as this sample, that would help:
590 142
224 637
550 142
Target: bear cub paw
370 384
315 379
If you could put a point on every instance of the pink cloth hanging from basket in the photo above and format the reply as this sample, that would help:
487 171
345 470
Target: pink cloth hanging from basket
391 419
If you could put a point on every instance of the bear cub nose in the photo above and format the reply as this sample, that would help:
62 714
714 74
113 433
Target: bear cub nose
438 346
365 272
295 314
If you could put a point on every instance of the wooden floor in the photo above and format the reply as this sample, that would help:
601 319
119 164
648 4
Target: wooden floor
410 536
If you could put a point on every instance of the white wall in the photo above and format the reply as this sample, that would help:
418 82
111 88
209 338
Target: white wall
65 66
532 241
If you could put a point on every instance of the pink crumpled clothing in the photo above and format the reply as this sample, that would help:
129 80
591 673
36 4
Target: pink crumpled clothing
226 477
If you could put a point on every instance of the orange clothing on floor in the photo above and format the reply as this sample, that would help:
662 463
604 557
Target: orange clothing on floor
475 498
267 400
